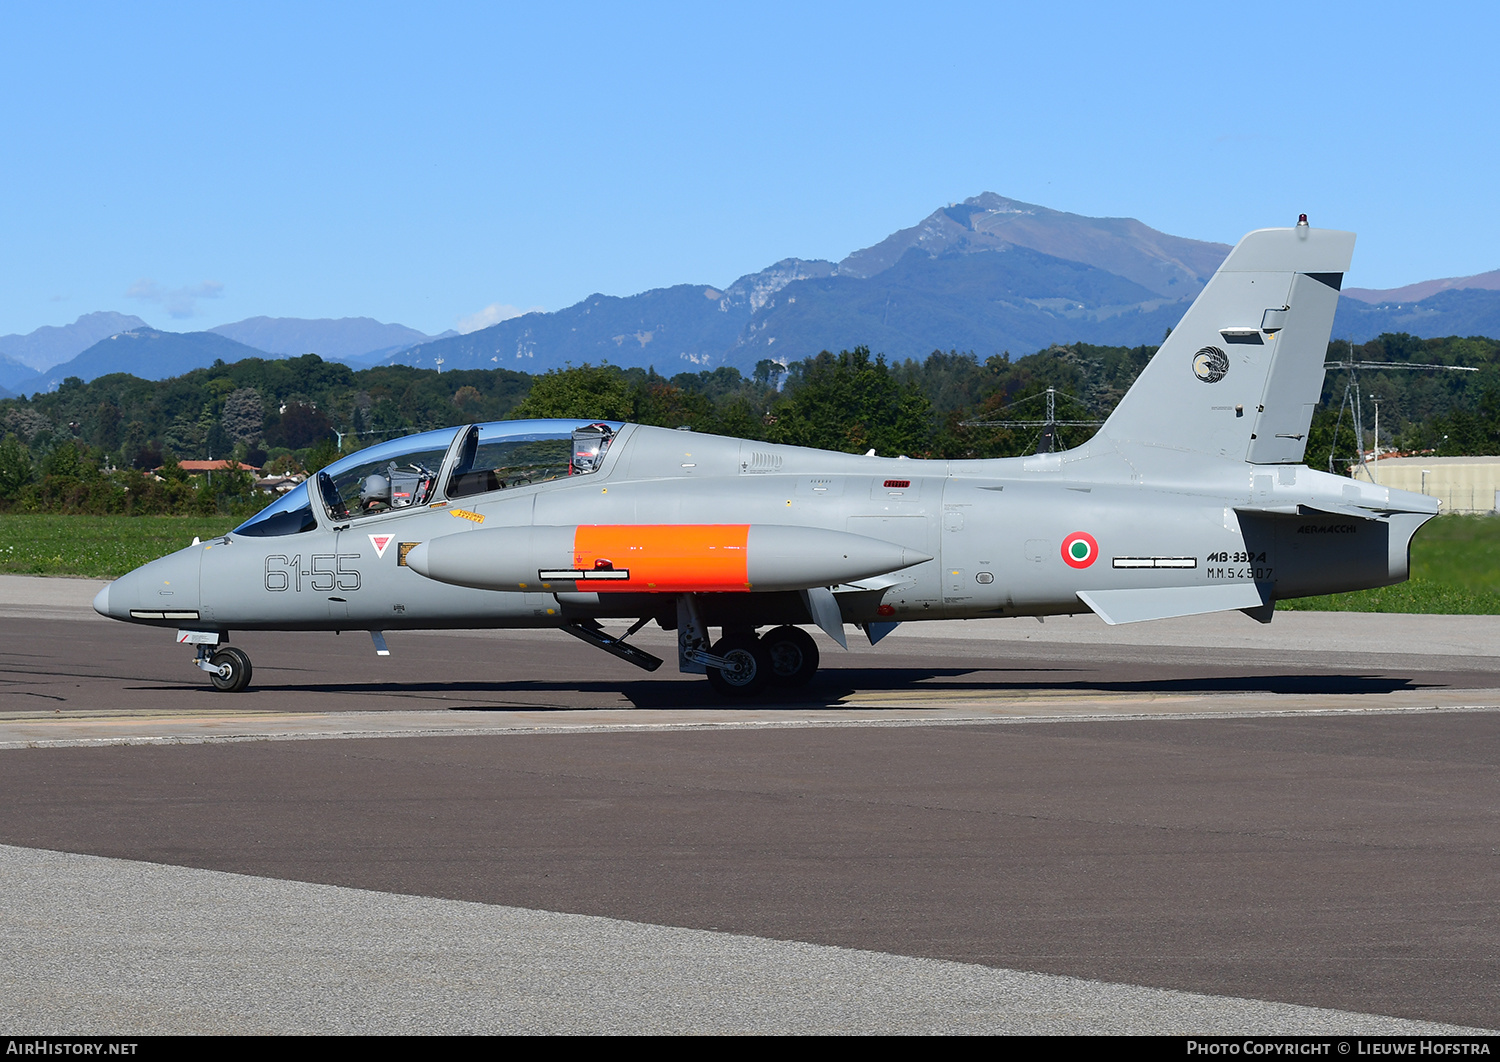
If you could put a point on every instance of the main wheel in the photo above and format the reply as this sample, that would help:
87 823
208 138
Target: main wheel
750 670
235 670
794 656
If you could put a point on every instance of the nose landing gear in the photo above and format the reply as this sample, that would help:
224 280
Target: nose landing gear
232 672
228 668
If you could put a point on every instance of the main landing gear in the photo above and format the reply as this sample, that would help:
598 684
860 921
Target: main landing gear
785 657
739 664
794 656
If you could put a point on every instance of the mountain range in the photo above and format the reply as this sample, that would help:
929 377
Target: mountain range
100 343
23 357
987 275
1417 292
358 339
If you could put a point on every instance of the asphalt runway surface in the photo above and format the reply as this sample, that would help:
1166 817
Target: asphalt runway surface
1215 826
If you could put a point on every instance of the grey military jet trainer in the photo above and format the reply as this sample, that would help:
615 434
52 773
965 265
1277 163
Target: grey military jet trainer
1192 498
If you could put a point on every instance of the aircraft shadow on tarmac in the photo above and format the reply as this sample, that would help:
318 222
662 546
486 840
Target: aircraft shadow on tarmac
828 690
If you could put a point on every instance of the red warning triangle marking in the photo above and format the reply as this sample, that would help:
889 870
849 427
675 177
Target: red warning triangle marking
381 542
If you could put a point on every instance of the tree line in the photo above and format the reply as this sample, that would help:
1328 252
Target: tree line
112 445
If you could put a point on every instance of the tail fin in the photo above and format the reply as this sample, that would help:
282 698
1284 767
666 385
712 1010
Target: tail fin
1239 376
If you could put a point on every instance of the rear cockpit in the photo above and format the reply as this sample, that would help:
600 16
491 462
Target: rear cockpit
498 456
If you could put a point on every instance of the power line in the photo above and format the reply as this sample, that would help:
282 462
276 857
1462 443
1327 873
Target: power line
1048 439
1351 390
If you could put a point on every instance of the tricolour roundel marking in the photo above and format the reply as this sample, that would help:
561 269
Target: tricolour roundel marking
1079 550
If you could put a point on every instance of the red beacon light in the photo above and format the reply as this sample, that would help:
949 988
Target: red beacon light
1302 221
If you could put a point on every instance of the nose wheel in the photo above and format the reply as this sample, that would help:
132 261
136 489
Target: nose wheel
228 669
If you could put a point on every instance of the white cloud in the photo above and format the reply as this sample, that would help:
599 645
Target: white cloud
492 314
178 302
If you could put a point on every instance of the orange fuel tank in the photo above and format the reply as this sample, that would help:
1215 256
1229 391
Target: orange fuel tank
656 558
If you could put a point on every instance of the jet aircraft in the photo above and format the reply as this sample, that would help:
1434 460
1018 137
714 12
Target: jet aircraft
1191 498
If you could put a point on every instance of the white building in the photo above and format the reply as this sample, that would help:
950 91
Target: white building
1461 484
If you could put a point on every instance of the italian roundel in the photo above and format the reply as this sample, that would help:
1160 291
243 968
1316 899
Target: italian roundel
1079 550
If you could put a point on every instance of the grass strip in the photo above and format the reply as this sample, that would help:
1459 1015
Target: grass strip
100 547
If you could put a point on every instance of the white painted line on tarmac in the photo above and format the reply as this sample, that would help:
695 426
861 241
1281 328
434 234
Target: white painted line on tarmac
520 728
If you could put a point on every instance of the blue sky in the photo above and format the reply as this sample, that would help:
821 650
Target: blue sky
200 163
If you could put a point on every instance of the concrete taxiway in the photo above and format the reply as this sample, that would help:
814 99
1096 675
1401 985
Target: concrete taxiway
1206 825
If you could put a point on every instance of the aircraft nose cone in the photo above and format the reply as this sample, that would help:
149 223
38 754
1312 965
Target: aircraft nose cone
168 583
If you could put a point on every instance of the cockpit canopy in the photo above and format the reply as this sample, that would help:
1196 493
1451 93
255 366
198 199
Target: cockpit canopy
442 465
498 455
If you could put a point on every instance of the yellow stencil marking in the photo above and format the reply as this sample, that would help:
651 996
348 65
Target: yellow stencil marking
465 514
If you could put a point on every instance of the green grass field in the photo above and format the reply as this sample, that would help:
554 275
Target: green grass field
103 547
1455 559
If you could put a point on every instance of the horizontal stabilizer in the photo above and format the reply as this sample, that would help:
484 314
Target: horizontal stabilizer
1326 509
1358 512
1149 603
1331 509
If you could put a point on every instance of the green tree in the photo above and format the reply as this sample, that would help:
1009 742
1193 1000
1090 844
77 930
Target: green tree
322 453
588 392
171 471
852 402
65 462
244 415
107 426
15 468
768 373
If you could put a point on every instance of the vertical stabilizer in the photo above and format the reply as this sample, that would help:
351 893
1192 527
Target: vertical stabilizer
1239 376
